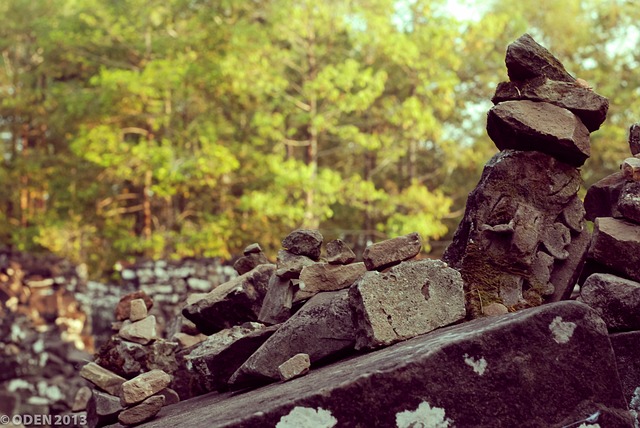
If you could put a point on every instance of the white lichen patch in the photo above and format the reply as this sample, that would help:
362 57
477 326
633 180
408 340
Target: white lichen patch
585 425
306 417
424 416
479 366
561 330
634 407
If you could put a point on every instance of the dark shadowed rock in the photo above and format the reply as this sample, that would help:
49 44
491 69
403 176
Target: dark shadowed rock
615 299
512 245
616 245
542 127
507 371
328 277
277 303
526 59
232 303
590 107
410 299
602 197
629 201
129 359
631 169
290 265
249 262
102 409
142 412
304 242
339 253
382 255
625 347
123 308
254 248
321 328
634 138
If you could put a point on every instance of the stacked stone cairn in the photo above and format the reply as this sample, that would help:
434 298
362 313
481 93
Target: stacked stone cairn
140 398
523 240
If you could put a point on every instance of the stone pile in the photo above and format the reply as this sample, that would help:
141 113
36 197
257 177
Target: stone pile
522 241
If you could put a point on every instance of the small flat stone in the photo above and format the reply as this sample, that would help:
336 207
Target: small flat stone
143 386
188 340
494 309
252 249
526 59
249 262
142 412
104 379
123 308
382 255
143 331
615 299
138 310
290 265
294 367
631 169
304 242
339 253
328 277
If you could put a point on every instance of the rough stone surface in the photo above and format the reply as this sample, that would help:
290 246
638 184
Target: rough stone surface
170 396
382 255
539 126
143 331
526 59
142 412
507 371
634 138
216 359
102 378
290 265
296 366
631 169
129 359
339 253
249 262
187 340
615 299
322 328
616 245
590 107
494 309
328 277
138 310
232 303
252 249
123 309
304 242
410 299
102 409
83 395
625 348
278 302
629 201
521 241
143 386
602 197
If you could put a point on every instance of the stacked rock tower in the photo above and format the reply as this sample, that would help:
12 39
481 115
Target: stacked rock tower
522 240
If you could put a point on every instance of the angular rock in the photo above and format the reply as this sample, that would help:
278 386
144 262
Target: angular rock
410 299
142 412
104 379
629 201
277 303
123 310
250 261
634 138
616 245
216 359
138 310
615 299
631 169
507 371
382 255
296 366
129 359
143 386
590 107
82 397
143 331
254 248
526 59
304 242
339 253
539 126
625 348
602 197
503 246
188 340
321 328
290 265
102 409
328 277
232 303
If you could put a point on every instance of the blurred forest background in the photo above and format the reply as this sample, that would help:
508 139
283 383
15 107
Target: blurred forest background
178 128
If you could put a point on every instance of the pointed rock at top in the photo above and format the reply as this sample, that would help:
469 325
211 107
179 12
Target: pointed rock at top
304 242
527 59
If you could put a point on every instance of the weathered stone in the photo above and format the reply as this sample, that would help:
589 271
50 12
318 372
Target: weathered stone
188 340
615 299
410 299
129 359
102 378
625 348
232 303
507 371
216 359
539 126
634 138
81 399
339 253
327 277
602 197
138 310
629 201
590 107
515 220
102 409
616 245
252 249
249 262
142 412
296 366
170 396
277 303
382 255
526 59
123 310
494 309
322 328
290 265
304 242
143 331
631 169
143 386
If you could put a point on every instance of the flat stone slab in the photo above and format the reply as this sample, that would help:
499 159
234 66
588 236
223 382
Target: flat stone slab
384 254
328 277
543 367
